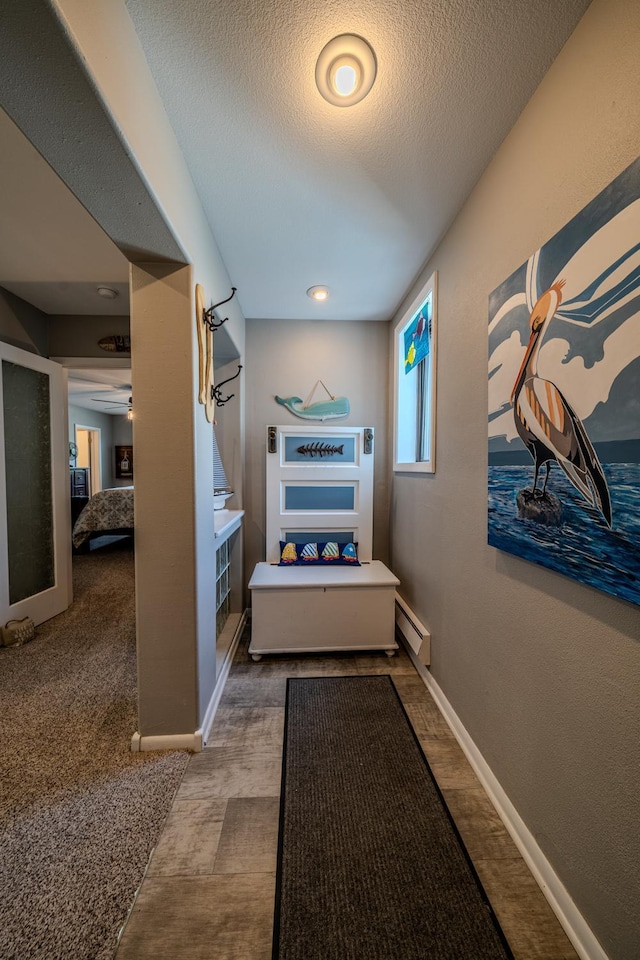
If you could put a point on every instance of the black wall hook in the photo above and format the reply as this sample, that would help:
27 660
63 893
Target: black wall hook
208 316
215 391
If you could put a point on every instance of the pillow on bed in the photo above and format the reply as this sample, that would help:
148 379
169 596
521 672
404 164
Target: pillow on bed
329 553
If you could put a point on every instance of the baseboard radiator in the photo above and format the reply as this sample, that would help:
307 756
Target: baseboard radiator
414 632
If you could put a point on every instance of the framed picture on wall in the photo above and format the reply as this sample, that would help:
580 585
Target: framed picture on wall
124 463
564 430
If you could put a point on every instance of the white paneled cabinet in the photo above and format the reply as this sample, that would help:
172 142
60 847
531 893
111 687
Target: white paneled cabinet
318 610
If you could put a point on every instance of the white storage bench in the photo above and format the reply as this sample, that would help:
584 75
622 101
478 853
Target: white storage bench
322 609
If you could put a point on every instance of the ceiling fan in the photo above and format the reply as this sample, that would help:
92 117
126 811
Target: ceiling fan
118 403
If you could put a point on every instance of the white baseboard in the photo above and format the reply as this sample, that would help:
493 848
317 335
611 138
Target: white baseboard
170 741
210 712
574 924
194 741
414 632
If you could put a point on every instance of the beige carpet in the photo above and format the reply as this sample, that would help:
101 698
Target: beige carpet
79 813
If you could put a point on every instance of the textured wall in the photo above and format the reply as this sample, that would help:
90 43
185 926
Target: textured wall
287 358
166 511
78 336
124 135
22 325
543 672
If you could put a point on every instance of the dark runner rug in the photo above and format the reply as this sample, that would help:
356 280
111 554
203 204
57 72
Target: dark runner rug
370 864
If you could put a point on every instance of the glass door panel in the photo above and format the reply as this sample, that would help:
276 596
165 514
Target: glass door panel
29 502
35 550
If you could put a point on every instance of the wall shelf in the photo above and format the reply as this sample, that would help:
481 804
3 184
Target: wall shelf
226 523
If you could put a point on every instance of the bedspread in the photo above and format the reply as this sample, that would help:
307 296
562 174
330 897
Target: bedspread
108 510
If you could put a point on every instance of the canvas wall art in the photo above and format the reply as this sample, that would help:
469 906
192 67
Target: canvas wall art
564 398
124 462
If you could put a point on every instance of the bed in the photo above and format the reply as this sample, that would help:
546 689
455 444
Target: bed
108 512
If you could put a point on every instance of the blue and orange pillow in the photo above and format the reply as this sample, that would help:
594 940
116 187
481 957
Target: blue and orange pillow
330 553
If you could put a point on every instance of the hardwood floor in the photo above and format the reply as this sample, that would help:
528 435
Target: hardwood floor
209 890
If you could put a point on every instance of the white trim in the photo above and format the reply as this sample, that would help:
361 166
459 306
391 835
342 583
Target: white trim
572 921
80 363
95 457
416 466
194 741
357 474
53 600
170 741
225 523
214 703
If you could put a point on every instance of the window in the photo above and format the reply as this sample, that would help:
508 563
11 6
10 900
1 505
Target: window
414 360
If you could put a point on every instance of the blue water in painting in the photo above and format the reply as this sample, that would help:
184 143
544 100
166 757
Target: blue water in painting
583 546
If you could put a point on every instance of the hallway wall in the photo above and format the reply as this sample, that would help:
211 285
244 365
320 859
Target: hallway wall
543 672
286 357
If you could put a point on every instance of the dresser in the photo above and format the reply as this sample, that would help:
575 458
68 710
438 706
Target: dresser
79 478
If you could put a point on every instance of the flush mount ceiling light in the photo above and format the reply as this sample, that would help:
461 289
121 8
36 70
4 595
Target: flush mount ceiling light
345 70
107 292
318 293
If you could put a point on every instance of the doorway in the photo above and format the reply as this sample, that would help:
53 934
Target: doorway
88 442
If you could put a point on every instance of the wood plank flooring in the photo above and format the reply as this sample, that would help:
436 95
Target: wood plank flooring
209 890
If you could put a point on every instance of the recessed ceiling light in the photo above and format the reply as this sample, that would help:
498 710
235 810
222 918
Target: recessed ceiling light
318 293
107 292
345 70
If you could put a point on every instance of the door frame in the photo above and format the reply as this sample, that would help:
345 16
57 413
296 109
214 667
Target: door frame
95 456
97 363
48 603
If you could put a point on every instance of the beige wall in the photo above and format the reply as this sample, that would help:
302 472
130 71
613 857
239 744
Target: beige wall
543 672
286 358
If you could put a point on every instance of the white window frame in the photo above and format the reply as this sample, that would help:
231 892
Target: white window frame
405 387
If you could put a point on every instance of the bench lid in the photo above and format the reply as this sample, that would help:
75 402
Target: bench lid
270 576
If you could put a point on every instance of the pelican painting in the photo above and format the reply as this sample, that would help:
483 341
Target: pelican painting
550 429
564 398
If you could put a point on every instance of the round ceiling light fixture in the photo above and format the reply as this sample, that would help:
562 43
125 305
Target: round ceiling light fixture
318 293
346 70
107 292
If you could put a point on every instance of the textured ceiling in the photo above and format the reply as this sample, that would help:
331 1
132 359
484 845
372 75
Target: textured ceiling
299 192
